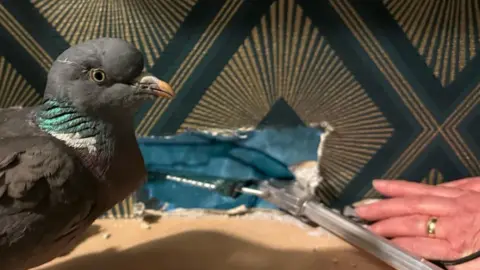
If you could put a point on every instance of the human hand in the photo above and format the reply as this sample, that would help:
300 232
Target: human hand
404 217
470 183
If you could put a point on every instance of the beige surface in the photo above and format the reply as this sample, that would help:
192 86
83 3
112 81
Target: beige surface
211 243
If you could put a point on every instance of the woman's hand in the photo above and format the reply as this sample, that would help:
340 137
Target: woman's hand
405 215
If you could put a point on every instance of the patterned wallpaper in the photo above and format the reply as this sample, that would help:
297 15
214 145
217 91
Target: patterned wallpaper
398 79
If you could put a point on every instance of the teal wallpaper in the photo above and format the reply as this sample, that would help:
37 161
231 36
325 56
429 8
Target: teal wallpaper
398 79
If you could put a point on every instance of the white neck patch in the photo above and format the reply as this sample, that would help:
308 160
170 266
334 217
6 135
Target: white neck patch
76 141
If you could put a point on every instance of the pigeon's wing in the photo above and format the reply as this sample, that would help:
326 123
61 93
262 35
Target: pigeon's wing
16 121
46 195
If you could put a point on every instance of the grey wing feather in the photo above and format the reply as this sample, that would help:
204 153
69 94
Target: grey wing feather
45 197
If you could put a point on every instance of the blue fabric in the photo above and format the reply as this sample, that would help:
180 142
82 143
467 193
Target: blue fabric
253 155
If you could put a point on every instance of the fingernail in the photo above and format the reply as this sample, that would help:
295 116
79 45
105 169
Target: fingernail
365 202
360 210
379 183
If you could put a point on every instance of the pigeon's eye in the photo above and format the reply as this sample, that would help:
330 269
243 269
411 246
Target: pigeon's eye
97 75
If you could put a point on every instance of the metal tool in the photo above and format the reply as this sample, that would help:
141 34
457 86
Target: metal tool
293 200
291 197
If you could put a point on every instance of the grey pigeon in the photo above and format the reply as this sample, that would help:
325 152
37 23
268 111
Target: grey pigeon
68 160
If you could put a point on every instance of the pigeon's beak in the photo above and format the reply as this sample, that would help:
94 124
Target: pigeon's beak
152 85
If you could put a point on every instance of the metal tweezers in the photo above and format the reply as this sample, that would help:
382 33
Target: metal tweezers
292 198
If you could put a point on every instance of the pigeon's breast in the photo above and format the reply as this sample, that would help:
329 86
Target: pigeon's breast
126 172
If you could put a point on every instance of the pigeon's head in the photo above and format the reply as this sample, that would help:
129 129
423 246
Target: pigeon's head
103 76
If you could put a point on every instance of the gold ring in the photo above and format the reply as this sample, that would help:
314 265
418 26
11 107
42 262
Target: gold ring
431 226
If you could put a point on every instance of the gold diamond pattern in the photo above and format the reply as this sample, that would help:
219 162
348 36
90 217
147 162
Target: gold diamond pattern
434 177
149 24
14 89
287 57
442 31
194 58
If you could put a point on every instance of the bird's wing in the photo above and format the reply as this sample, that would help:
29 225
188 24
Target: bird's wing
16 121
45 194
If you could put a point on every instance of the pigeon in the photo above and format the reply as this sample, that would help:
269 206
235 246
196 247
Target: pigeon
68 160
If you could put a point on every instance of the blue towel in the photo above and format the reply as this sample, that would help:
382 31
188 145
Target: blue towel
242 156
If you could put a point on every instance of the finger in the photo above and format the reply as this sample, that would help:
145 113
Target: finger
411 226
395 188
472 183
403 206
428 248
455 183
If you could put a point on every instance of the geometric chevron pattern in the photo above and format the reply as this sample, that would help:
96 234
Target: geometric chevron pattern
443 32
434 177
151 30
24 39
300 67
218 23
399 79
433 132
14 90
